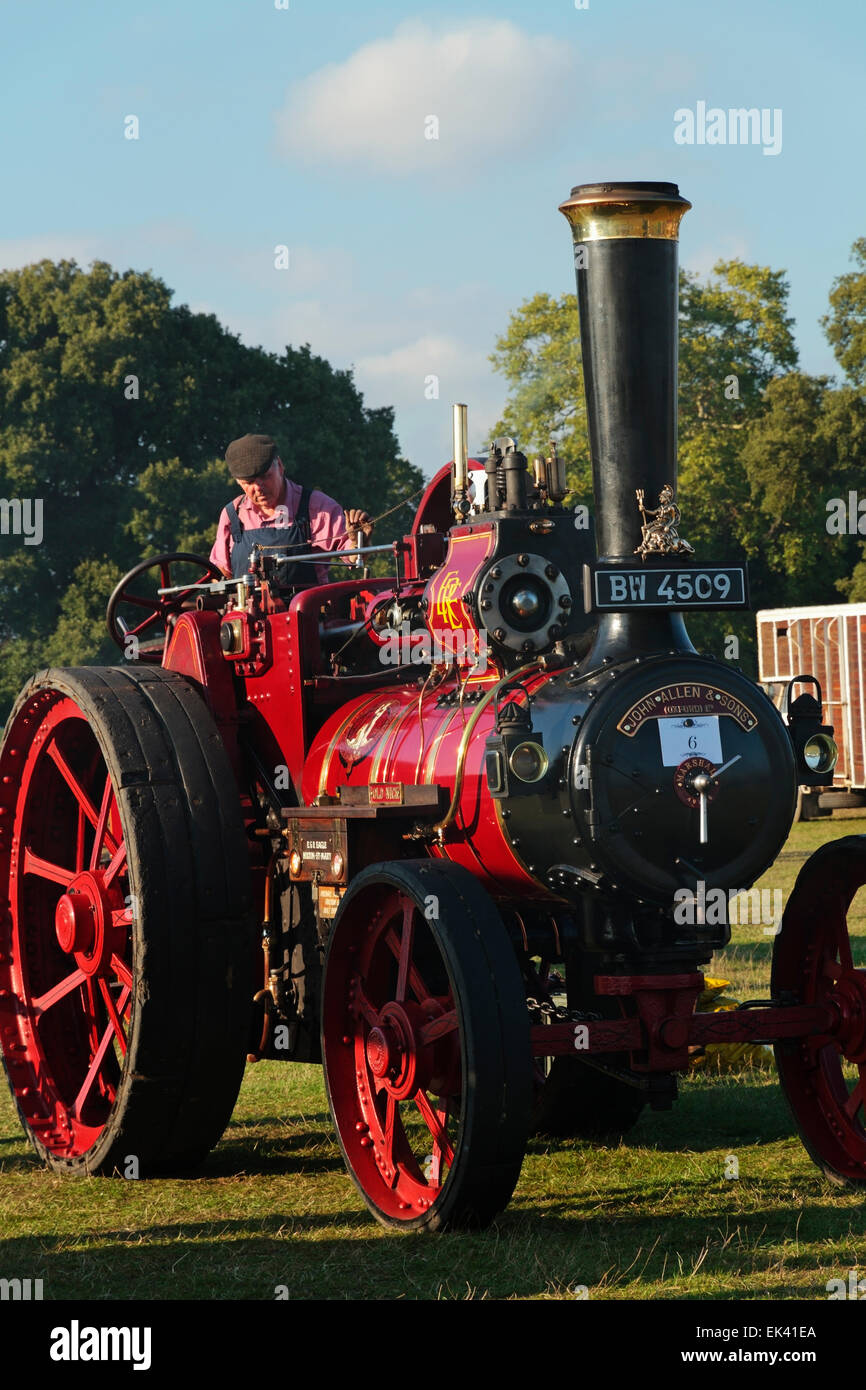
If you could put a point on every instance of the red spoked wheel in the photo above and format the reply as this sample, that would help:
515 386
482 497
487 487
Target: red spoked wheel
815 961
138 616
425 1043
122 1025
71 981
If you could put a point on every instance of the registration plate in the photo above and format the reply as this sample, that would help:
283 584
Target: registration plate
611 588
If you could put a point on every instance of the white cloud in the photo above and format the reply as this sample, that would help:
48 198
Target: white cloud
396 375
430 354
309 268
493 88
727 247
423 423
21 251
392 345
172 249
140 245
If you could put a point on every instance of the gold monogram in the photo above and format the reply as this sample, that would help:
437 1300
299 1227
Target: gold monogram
447 598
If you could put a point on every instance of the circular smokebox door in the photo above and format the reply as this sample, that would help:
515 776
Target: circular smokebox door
519 601
648 742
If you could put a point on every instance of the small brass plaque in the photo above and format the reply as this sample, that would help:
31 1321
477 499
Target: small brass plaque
328 900
386 793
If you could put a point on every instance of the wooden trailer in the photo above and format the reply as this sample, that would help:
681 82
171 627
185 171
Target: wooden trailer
830 642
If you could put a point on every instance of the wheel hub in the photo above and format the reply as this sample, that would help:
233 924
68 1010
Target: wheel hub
84 925
393 1052
849 997
379 1052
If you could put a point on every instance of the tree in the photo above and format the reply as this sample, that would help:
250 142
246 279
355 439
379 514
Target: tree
735 337
539 355
116 407
798 457
845 325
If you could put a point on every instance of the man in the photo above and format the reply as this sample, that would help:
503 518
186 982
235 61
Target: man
276 511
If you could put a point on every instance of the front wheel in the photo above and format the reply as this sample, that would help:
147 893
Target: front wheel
824 1077
425 1042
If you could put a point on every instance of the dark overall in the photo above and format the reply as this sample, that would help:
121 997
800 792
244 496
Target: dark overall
292 538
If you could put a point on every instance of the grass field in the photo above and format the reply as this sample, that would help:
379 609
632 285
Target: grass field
654 1218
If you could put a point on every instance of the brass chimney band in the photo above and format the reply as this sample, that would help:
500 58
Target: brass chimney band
602 212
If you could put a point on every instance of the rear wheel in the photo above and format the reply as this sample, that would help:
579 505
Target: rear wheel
425 1041
126 950
824 1077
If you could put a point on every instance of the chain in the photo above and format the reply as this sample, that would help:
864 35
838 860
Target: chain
545 1012
404 502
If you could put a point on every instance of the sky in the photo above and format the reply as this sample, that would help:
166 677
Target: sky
411 158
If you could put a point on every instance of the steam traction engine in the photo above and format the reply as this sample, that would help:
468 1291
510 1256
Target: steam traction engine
473 885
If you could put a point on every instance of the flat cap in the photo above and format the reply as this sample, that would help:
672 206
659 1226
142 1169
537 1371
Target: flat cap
250 455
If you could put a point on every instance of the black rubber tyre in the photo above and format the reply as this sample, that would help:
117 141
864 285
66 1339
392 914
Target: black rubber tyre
418 945
579 1102
168 977
824 1078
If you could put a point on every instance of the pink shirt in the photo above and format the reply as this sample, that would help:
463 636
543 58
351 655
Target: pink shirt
327 526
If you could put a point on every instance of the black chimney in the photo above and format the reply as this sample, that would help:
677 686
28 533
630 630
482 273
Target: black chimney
625 254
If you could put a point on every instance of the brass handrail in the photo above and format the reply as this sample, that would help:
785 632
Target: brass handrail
446 820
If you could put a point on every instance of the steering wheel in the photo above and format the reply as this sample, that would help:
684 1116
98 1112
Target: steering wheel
138 590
